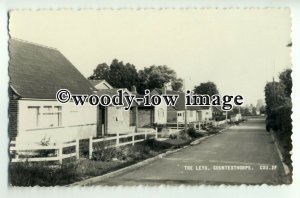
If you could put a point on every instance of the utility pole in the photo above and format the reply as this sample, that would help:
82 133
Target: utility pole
185 110
274 89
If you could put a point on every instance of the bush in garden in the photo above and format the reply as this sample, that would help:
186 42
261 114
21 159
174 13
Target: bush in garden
42 174
193 133
157 145
138 152
102 152
173 136
183 135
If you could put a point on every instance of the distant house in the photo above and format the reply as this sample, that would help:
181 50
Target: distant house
161 111
101 84
195 114
113 119
148 116
176 114
217 112
145 116
36 74
204 113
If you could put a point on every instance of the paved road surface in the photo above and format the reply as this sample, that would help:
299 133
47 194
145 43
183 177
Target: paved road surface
246 146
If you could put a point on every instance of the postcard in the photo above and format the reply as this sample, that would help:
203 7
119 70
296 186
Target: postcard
150 97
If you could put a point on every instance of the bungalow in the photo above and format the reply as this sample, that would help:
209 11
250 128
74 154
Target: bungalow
195 114
148 116
204 113
176 114
112 120
145 115
36 74
161 111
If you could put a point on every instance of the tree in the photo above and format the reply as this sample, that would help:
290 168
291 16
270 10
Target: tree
279 111
155 77
121 75
262 109
286 78
100 73
177 84
208 88
117 74
275 96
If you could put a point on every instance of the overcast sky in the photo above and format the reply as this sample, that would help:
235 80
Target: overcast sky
238 49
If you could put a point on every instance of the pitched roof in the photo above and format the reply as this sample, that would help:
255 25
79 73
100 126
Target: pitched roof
97 84
217 108
39 72
198 108
111 92
180 104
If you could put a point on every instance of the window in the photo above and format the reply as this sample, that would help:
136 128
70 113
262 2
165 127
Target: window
51 116
33 116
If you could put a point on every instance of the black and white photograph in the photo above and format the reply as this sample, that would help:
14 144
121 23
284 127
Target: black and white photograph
150 97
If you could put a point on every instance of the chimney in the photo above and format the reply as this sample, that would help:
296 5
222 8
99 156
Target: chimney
164 90
133 89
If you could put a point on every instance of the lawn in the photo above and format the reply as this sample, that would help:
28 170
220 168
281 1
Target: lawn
103 161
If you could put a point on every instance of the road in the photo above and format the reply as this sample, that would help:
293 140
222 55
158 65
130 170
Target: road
215 161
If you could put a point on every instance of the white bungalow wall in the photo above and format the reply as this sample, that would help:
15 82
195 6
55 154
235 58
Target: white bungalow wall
204 115
39 119
103 85
191 116
160 114
118 121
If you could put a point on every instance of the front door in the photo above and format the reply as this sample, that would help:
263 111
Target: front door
101 122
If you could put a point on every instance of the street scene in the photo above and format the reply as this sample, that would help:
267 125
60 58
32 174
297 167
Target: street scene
194 165
150 97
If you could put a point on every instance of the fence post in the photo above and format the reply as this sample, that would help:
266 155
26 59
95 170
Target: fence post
155 132
77 148
133 138
118 139
90 147
60 152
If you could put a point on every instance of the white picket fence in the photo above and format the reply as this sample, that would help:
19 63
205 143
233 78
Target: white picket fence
19 149
196 125
118 137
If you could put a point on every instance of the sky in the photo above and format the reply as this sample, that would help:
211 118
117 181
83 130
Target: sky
237 49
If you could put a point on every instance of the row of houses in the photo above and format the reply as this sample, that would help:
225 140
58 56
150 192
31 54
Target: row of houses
37 72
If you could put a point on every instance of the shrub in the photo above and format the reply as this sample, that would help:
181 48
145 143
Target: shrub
183 135
157 145
40 173
173 136
220 117
193 133
138 152
102 153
